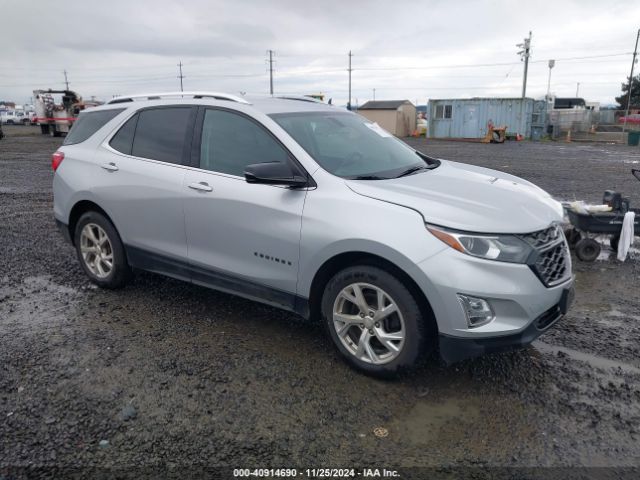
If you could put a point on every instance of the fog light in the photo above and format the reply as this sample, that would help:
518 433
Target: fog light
477 310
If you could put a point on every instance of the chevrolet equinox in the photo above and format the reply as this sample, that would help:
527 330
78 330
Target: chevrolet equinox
317 210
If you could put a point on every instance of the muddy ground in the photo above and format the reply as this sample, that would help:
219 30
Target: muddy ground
164 373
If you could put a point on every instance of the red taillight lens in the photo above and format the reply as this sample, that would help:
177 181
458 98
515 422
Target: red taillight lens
56 160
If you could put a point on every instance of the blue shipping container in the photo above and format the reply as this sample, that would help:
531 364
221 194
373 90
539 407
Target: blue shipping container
470 118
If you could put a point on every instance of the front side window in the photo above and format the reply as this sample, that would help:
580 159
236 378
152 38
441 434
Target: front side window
89 123
160 133
350 146
231 141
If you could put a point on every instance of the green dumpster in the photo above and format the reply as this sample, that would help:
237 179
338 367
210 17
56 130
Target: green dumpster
633 138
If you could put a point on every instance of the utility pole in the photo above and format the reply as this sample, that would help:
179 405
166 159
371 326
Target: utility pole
552 63
577 89
180 76
374 93
633 62
525 53
349 69
66 81
270 52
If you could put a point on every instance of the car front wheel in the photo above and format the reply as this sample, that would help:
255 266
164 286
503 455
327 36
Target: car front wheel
374 320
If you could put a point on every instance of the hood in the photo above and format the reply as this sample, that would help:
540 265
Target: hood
469 198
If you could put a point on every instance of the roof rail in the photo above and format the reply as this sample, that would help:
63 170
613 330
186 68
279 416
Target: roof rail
196 95
302 98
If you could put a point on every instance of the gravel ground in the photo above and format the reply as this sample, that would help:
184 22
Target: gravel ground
168 374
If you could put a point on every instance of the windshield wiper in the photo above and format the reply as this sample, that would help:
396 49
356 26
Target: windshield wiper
368 177
415 169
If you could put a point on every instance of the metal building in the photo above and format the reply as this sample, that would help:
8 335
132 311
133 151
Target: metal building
395 116
470 118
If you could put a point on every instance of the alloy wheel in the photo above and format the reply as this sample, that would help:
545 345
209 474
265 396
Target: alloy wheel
96 250
369 323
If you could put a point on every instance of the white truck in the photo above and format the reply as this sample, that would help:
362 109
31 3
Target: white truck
56 118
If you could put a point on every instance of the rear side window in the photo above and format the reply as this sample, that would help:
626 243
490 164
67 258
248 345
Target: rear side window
160 133
123 140
89 123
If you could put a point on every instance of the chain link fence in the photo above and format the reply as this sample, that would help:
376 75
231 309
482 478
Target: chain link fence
578 123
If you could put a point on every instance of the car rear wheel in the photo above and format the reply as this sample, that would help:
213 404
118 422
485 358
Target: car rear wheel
374 320
100 251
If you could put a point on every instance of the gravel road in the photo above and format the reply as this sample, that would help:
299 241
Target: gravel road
168 374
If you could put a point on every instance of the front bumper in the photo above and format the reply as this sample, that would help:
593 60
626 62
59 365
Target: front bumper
455 349
519 300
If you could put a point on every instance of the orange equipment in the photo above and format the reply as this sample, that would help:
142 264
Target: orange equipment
495 134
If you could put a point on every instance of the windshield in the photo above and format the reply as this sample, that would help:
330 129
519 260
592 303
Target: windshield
350 146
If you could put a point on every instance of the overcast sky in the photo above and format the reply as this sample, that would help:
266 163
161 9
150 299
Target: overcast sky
415 50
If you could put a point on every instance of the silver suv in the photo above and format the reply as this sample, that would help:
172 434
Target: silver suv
316 210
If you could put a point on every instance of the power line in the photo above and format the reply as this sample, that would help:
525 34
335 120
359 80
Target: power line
499 64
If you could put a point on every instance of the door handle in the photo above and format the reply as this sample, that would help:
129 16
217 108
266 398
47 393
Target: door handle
202 186
112 167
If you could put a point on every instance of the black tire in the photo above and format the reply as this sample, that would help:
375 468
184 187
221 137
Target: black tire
587 250
416 326
614 241
120 273
573 236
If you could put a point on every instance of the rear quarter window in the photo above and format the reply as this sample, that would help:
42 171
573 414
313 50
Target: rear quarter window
89 123
122 141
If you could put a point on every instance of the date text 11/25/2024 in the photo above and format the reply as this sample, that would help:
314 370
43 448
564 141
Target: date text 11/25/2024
315 473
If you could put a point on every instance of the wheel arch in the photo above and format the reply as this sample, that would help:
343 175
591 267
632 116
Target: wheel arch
80 208
348 259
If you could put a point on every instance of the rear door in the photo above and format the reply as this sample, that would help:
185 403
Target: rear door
140 172
242 237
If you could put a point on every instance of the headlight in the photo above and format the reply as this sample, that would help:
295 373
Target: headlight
503 248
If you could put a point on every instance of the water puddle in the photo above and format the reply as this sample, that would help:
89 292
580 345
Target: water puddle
425 421
45 283
607 254
38 301
593 360
625 316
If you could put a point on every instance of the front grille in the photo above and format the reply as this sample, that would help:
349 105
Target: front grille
543 238
553 265
553 262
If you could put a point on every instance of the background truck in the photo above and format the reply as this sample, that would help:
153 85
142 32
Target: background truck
57 118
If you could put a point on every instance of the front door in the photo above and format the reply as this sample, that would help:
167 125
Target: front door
243 238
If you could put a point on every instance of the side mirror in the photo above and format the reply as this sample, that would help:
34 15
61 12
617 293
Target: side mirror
274 173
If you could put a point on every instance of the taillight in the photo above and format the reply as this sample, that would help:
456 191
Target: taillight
56 160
